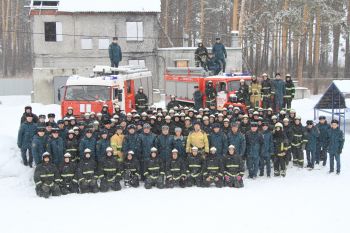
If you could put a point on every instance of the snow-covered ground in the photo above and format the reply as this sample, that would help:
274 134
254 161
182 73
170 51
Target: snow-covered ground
303 201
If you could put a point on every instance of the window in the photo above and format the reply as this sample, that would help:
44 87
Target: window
86 43
89 93
233 85
103 43
221 87
53 31
134 31
137 63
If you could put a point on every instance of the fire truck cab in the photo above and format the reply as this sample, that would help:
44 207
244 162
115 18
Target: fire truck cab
180 82
90 94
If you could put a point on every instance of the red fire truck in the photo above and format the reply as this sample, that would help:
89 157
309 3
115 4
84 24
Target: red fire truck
90 94
180 82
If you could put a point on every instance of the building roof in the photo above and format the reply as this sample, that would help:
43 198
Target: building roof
337 96
109 6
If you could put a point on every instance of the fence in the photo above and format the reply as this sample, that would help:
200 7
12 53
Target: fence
16 86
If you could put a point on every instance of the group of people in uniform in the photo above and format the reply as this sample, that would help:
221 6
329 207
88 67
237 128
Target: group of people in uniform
176 146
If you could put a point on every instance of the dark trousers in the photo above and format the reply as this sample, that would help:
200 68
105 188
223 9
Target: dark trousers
287 103
266 102
107 184
279 165
223 64
310 156
195 179
298 156
115 64
88 186
154 181
265 162
253 166
24 156
333 156
45 190
213 179
321 154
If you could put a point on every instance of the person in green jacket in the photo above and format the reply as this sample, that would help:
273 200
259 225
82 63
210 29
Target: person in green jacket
115 53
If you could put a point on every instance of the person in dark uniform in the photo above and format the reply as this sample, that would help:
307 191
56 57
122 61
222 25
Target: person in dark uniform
141 101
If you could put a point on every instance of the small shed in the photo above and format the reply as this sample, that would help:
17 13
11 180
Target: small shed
335 101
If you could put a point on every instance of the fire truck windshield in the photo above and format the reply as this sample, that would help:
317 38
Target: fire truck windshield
233 85
88 93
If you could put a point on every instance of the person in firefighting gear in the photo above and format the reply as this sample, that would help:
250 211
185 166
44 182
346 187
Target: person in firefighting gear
46 178
287 128
102 144
212 170
141 101
210 93
233 166
312 135
267 150
175 171
154 171
298 142
72 146
201 56
266 89
110 172
255 142
69 183
243 93
117 143
131 170
197 138
290 92
172 103
280 142
87 175
255 92
194 168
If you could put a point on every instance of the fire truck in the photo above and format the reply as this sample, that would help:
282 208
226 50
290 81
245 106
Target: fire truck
180 82
89 94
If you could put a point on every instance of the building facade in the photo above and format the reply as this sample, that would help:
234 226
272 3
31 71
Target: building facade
71 41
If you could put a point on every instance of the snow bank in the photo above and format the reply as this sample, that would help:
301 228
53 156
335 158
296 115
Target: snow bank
304 201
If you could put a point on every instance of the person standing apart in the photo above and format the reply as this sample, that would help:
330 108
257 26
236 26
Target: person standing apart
115 53
220 53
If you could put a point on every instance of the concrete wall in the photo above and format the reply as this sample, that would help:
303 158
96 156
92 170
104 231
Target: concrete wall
16 86
43 80
90 25
167 57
